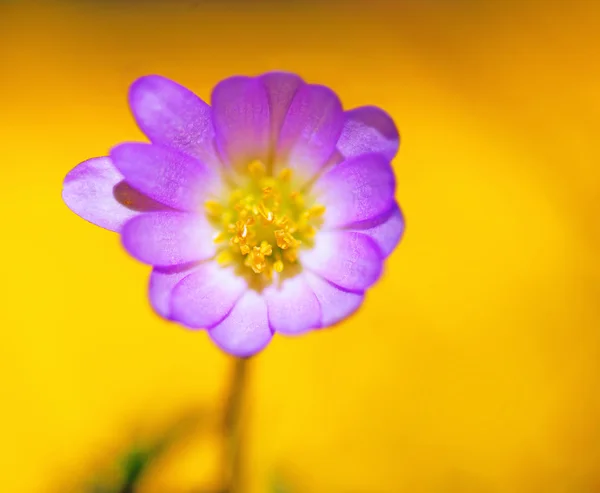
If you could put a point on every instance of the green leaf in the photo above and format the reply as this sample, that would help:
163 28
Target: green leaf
125 472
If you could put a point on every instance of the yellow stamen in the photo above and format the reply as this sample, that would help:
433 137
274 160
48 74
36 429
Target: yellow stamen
298 199
310 231
261 209
316 210
236 196
290 255
256 260
263 223
282 222
266 248
220 237
241 228
285 174
257 169
225 257
227 218
213 208
284 239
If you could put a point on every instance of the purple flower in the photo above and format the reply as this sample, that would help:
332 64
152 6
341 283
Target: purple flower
271 210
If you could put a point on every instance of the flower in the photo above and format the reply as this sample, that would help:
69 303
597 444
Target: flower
271 210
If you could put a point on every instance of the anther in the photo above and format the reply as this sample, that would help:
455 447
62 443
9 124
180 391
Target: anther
256 260
241 228
266 248
284 239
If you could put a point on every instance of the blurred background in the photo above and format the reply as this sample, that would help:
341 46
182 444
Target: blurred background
473 366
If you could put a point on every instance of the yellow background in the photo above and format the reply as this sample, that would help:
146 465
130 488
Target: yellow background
473 367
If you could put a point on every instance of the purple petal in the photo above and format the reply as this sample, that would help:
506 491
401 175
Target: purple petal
292 305
387 230
168 238
369 129
245 331
162 282
356 190
336 304
350 260
173 116
89 191
311 129
166 175
205 297
241 119
281 88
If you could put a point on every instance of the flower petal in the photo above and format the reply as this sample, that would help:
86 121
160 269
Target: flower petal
387 230
168 238
94 190
311 129
293 307
281 88
162 282
167 175
205 297
173 116
356 190
348 259
336 304
369 129
245 331
241 120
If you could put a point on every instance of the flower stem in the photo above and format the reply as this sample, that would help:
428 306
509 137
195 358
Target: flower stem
232 428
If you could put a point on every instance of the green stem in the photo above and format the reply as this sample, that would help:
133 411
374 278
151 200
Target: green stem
232 428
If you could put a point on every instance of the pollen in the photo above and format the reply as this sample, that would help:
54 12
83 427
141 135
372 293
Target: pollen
263 224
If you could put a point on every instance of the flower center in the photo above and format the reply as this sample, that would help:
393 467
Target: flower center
263 224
